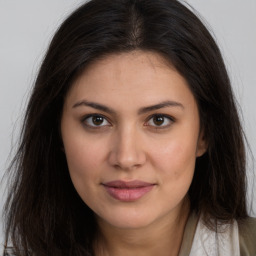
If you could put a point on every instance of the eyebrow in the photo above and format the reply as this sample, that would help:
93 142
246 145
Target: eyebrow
160 105
94 105
142 110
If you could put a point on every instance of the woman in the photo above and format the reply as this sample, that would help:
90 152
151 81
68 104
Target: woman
131 143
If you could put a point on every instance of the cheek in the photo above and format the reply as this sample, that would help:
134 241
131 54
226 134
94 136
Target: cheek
175 165
176 158
83 162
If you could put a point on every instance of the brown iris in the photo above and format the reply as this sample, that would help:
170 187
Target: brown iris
158 120
97 120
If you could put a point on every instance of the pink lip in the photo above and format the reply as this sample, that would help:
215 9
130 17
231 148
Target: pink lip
128 191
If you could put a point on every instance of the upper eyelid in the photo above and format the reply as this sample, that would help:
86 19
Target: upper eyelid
160 114
94 114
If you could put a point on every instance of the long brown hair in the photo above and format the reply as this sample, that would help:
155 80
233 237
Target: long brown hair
44 214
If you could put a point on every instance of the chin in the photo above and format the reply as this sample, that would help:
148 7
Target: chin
128 219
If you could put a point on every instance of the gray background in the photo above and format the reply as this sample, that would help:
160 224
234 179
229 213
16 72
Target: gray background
27 26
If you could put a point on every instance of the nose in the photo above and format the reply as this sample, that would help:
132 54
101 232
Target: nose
127 150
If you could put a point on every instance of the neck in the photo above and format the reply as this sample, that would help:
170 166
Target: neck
163 237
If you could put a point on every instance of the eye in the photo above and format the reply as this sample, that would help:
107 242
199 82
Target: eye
95 121
160 121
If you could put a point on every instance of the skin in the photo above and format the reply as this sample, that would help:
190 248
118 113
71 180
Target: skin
128 144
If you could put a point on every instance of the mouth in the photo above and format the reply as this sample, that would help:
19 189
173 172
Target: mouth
128 190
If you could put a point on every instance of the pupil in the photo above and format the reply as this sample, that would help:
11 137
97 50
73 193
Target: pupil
158 120
97 120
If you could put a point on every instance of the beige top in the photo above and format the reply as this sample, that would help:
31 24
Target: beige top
247 236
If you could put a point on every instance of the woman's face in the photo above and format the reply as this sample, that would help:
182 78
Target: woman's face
131 134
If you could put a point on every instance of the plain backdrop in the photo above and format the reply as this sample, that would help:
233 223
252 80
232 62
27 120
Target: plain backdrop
27 26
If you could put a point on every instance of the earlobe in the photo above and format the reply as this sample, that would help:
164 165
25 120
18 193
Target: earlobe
202 145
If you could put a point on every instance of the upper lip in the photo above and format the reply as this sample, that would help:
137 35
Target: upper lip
127 184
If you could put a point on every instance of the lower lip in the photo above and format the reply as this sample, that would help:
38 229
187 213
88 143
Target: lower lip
128 194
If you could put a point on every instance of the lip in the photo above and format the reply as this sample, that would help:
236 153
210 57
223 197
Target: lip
128 190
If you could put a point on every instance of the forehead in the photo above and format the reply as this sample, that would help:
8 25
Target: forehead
134 77
135 62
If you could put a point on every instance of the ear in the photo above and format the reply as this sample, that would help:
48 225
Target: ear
202 144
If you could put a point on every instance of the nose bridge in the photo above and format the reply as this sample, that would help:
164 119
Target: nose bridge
127 151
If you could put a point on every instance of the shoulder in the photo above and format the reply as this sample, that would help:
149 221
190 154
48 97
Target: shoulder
247 236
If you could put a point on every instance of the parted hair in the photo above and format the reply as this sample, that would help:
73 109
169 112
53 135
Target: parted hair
43 212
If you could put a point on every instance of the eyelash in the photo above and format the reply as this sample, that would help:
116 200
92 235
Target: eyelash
170 120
